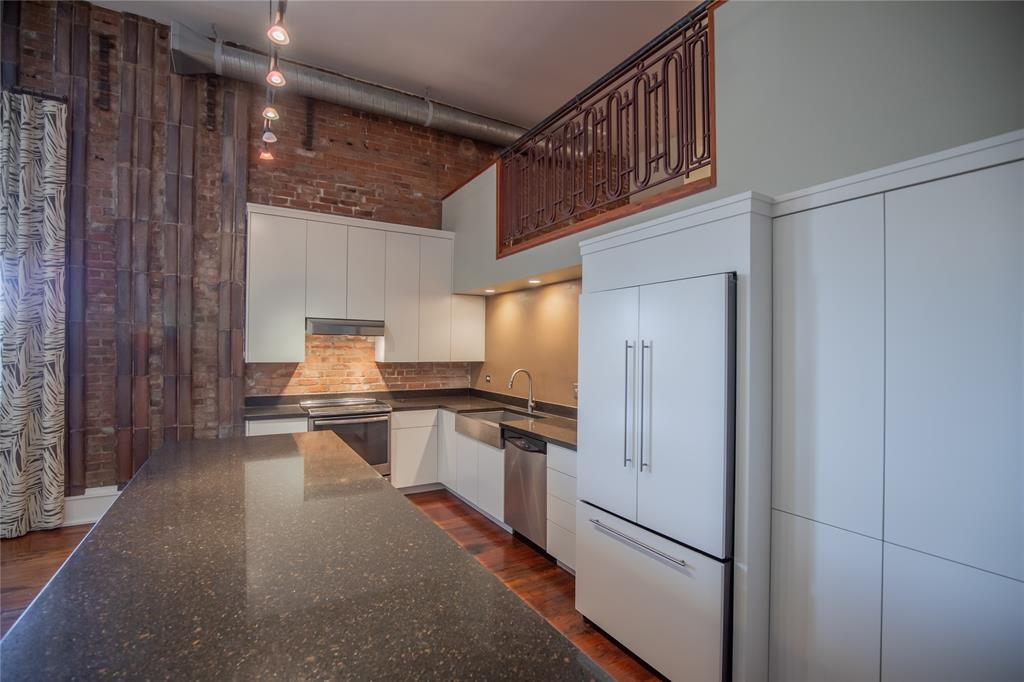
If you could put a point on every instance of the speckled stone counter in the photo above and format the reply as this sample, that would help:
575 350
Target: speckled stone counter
281 557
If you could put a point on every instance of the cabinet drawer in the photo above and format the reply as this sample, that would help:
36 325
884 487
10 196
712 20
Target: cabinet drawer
413 419
562 459
563 513
268 427
671 616
561 486
562 544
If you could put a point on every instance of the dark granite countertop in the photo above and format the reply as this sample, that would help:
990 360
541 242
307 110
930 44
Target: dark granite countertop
553 428
281 557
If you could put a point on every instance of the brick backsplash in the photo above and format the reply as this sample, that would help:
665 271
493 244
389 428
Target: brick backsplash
345 364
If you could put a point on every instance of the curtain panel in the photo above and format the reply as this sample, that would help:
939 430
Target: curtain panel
33 173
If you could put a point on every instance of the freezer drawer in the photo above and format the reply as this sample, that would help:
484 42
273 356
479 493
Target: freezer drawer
672 616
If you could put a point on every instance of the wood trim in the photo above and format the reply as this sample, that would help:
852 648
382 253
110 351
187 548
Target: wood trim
497 212
475 176
686 190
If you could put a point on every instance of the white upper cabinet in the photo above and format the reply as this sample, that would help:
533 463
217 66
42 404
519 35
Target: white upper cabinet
954 447
829 369
435 286
946 621
400 342
366 269
826 602
607 402
685 378
326 270
468 328
275 320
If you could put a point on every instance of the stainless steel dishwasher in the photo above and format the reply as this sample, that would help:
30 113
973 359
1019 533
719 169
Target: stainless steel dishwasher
526 487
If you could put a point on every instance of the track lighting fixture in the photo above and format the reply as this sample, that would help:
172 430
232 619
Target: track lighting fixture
274 76
277 32
266 154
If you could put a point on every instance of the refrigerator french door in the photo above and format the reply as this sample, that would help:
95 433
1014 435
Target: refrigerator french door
655 469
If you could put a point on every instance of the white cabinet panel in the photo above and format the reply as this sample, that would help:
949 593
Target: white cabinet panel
684 484
672 616
413 456
267 427
607 400
562 459
561 544
468 318
946 621
954 453
491 480
446 453
829 344
326 270
366 273
466 462
561 486
275 319
562 513
435 331
401 300
826 602
407 419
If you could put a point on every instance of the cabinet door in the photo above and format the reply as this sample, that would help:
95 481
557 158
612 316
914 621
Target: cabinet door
684 485
366 264
326 270
954 344
435 287
275 320
413 456
466 467
607 400
446 457
826 602
267 427
491 480
945 621
468 328
401 299
829 344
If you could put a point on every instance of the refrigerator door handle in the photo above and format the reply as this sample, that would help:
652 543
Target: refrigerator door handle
626 459
644 406
642 545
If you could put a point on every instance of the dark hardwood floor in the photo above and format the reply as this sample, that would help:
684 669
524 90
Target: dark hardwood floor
548 589
28 562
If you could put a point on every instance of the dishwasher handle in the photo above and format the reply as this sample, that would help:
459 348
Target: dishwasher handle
527 444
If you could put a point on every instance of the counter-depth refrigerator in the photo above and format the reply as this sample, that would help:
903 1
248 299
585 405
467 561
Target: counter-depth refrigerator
655 462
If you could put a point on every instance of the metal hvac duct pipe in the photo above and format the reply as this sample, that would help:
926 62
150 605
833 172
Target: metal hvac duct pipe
193 54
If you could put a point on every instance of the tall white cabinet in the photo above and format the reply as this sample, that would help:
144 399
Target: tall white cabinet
276 290
898 477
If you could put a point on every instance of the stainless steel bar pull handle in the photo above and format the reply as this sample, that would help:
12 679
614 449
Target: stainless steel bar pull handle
626 459
644 345
642 545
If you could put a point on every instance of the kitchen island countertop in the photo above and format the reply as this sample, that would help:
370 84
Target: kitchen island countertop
277 556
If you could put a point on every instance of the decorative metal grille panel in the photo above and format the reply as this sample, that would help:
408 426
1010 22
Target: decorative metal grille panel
649 123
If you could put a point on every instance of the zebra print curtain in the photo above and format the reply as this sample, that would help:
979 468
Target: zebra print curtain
33 151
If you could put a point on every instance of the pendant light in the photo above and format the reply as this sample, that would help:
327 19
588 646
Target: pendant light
268 134
266 154
277 33
274 76
270 111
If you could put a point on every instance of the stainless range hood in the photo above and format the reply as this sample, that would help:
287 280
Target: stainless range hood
322 325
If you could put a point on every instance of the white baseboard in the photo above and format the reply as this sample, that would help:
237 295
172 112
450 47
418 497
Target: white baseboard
89 506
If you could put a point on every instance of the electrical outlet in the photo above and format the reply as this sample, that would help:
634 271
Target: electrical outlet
487 378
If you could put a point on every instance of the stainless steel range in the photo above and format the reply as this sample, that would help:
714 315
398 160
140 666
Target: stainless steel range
363 423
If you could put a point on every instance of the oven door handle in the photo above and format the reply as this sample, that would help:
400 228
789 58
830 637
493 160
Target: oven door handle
349 420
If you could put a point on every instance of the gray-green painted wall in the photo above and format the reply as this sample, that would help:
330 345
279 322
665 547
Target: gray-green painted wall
809 92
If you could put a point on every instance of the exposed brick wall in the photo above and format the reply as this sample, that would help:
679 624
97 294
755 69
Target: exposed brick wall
343 364
359 165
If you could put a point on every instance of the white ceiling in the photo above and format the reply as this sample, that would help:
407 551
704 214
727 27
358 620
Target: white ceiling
515 61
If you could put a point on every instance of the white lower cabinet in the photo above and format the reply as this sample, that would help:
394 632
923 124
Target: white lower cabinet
466 467
561 488
413 448
268 427
826 602
946 621
491 480
670 615
446 457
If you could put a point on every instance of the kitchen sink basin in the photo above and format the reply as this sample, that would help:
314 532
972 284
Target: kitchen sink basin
486 426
